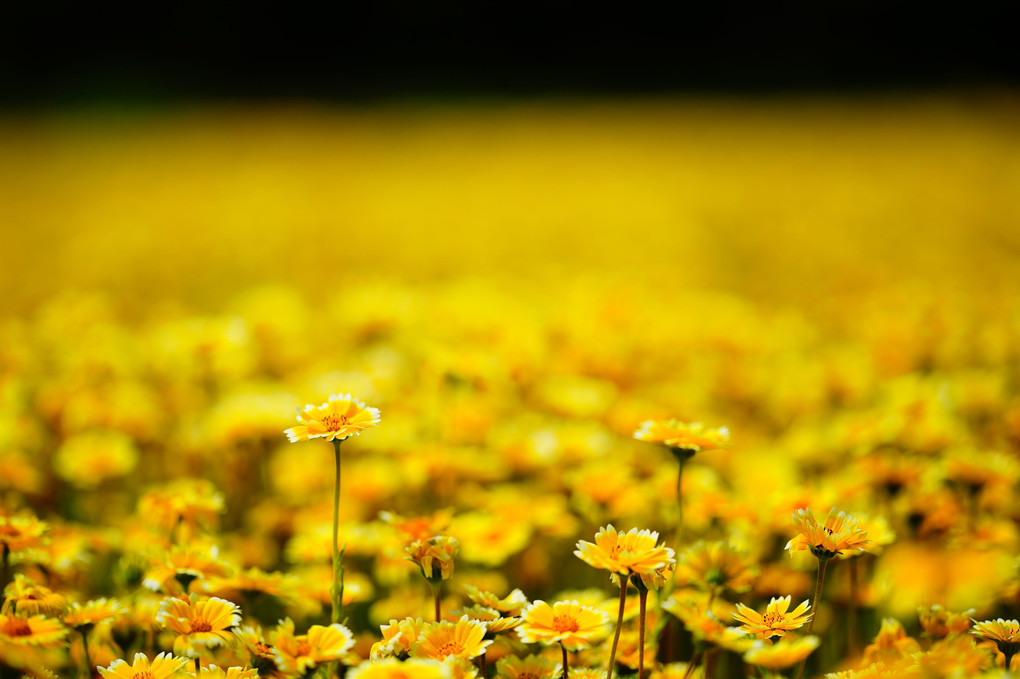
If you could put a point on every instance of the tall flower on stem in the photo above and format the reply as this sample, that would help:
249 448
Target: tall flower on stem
337 419
840 533
633 554
435 558
1005 634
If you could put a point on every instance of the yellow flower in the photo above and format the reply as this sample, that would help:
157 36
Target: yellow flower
434 556
199 623
20 532
162 666
630 553
777 619
493 621
214 672
93 612
716 564
938 622
840 532
531 667
190 503
398 637
440 640
391 668
511 604
891 644
34 631
174 571
339 418
85 460
302 653
683 438
29 598
781 654
1005 634
565 622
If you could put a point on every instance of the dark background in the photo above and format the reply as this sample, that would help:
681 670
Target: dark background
56 54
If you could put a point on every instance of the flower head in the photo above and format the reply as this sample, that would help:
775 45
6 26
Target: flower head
162 666
342 416
717 564
22 531
781 654
937 622
34 631
440 640
93 612
434 556
198 623
777 619
531 667
301 653
684 439
391 668
630 553
839 532
1005 634
27 597
566 622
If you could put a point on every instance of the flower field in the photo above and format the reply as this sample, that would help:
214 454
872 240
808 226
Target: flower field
651 389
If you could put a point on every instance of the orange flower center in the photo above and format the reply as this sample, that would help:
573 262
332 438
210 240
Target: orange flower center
16 627
200 625
142 675
565 623
771 619
334 422
264 650
304 648
451 648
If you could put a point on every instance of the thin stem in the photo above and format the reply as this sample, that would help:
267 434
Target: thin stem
1009 659
88 660
643 599
337 590
437 597
678 533
198 667
624 579
851 613
485 663
565 663
822 561
692 664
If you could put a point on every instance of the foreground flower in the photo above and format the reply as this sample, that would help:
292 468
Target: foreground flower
162 666
630 553
531 667
342 416
303 652
781 654
391 668
776 621
198 624
34 631
1005 634
440 640
840 532
681 437
214 672
565 622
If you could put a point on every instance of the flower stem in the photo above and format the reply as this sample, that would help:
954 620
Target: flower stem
437 597
1009 659
822 561
678 533
851 613
565 663
643 599
337 590
624 579
692 664
88 660
198 667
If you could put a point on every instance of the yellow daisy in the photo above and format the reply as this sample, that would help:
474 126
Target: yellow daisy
391 668
629 553
162 666
342 416
839 532
93 612
1005 634
781 654
683 438
511 604
214 672
434 556
301 653
20 532
198 623
34 631
777 619
531 667
440 640
565 622
711 565
937 622
30 598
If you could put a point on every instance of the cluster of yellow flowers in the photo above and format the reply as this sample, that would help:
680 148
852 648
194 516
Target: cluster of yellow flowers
163 515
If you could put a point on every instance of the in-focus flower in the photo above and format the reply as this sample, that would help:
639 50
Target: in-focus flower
565 622
781 654
440 640
777 619
434 556
684 439
398 638
342 416
162 666
493 621
840 532
198 623
304 652
510 605
629 553
1005 634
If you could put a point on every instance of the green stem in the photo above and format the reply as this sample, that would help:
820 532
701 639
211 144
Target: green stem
198 668
565 664
88 660
437 597
692 664
643 599
337 591
624 579
822 562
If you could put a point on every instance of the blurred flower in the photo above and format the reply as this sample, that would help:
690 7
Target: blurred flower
891 644
93 612
85 460
391 668
511 604
434 556
565 622
938 622
36 630
683 438
162 666
185 503
777 619
440 640
530 667
173 571
214 672
29 598
342 416
840 532
781 654
716 564
302 653
21 531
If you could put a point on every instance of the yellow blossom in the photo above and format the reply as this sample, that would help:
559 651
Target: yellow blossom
839 533
440 640
781 654
629 553
565 622
777 619
337 419
162 666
